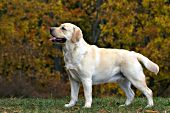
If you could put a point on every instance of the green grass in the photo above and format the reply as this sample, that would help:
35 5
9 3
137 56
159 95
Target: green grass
100 105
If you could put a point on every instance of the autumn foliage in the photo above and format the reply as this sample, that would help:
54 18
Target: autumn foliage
30 65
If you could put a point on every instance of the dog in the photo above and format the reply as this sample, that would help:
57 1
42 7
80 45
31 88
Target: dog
89 65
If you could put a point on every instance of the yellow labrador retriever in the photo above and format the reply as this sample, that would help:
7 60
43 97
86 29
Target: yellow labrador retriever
88 64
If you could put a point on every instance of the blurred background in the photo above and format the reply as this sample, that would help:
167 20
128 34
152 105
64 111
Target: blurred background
32 66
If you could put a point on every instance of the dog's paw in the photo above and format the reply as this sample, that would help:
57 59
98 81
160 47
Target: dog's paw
69 105
123 105
148 106
87 105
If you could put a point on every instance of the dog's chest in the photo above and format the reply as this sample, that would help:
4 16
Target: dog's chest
70 63
73 58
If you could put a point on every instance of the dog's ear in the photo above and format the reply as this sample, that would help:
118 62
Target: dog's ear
76 35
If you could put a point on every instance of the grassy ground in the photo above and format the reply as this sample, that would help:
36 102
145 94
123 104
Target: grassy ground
100 105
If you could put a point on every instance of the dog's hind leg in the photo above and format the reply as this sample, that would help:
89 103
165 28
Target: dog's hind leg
140 83
126 87
133 71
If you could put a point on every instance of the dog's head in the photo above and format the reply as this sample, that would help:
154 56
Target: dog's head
66 32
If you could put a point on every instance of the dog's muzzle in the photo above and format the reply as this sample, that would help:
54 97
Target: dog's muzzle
56 39
60 40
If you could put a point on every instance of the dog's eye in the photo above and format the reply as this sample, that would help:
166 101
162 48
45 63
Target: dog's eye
63 28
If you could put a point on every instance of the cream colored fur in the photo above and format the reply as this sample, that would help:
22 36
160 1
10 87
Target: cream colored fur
88 64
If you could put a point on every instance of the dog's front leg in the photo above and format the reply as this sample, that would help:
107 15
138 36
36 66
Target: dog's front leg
74 92
87 85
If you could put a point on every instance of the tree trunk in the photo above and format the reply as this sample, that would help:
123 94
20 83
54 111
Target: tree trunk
95 28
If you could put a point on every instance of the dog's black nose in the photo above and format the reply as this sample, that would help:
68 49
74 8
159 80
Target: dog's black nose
51 29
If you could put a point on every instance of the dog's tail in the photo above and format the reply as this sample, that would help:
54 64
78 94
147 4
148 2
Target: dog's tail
151 66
